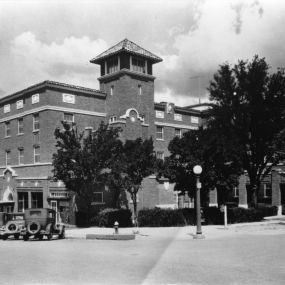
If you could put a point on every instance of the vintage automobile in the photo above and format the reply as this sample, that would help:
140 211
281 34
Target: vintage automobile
13 227
40 223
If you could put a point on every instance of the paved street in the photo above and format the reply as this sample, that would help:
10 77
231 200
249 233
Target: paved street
156 256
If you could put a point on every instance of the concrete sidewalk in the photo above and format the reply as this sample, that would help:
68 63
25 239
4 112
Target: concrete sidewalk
270 227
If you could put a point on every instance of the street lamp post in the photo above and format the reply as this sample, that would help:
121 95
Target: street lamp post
197 169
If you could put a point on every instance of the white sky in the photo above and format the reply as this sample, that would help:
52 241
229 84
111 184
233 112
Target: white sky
54 40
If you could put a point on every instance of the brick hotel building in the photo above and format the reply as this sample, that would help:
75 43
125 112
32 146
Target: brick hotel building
29 117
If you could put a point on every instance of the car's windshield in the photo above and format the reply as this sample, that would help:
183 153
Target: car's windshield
35 213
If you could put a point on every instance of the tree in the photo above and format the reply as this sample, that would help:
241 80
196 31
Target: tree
250 105
203 147
82 162
139 162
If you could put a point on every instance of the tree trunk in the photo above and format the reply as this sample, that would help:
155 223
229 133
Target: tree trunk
134 198
253 194
116 197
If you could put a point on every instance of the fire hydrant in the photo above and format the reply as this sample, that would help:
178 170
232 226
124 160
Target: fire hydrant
116 227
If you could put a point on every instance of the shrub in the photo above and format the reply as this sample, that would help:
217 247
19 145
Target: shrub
213 216
241 215
161 218
189 215
81 219
108 216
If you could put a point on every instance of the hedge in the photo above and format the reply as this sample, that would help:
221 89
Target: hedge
161 218
108 216
241 215
210 215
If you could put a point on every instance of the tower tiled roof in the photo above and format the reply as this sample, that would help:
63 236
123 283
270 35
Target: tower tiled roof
129 47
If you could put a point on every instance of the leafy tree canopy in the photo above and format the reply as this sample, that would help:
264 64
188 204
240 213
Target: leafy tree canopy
250 106
82 161
85 162
201 147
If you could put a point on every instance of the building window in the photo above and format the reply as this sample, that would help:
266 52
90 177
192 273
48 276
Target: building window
236 192
194 120
7 108
23 201
160 155
159 114
36 138
8 157
178 133
35 98
266 190
68 98
138 65
112 65
112 90
21 156
37 154
112 119
37 200
68 118
88 131
7 129
19 104
177 117
159 133
36 122
98 198
140 89
20 126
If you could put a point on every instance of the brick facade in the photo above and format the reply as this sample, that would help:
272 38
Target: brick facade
125 99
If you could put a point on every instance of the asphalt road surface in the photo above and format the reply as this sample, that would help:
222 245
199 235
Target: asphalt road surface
168 258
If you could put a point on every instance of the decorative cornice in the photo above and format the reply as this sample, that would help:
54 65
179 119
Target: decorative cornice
178 126
179 110
33 178
27 165
118 122
52 108
52 85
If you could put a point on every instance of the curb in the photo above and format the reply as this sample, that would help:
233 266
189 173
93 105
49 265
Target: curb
111 237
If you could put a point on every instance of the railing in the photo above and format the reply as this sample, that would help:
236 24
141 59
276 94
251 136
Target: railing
59 195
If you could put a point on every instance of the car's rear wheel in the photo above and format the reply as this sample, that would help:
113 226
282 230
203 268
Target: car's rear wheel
40 237
4 237
33 228
26 237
